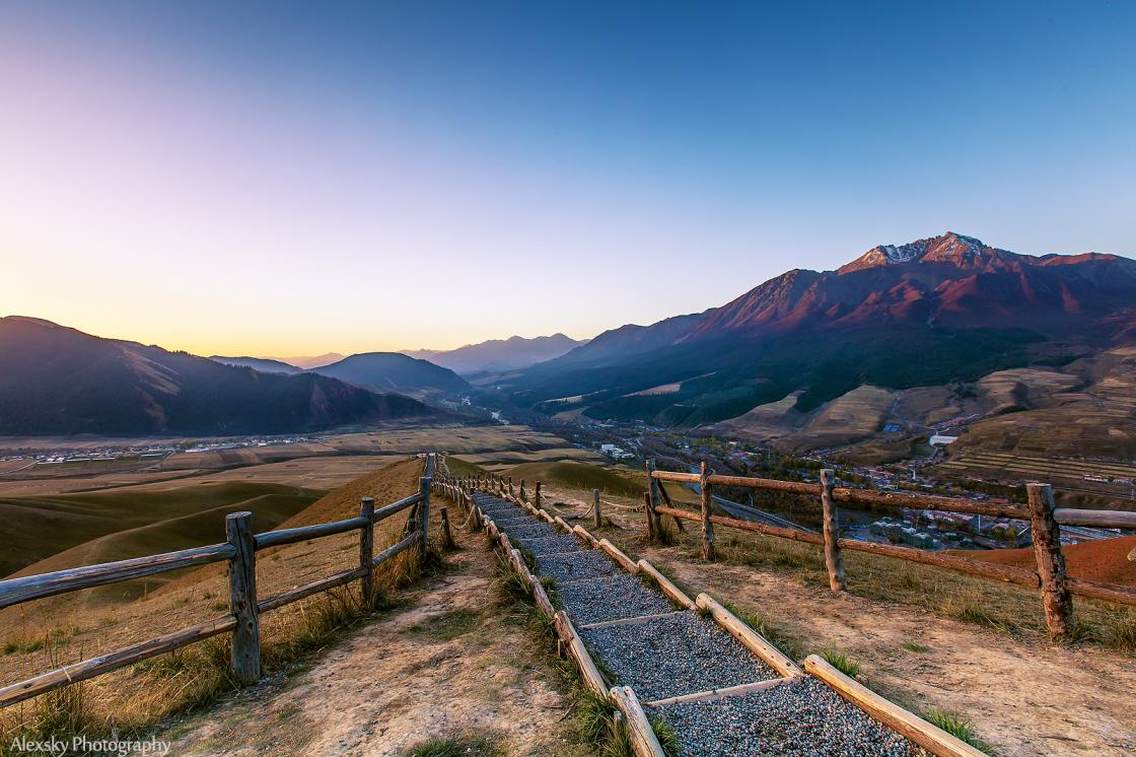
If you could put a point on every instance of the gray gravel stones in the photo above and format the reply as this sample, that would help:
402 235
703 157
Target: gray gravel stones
549 545
674 655
528 531
595 600
802 717
502 511
509 520
574 566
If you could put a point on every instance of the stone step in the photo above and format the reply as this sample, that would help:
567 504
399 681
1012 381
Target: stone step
576 565
593 600
674 654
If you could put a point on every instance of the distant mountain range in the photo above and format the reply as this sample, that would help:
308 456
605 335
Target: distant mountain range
307 362
378 371
262 364
941 309
57 380
499 355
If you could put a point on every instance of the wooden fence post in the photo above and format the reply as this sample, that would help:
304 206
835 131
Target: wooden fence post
475 519
649 500
833 559
707 524
650 517
1055 597
524 497
597 516
536 496
367 548
424 516
245 653
511 486
447 537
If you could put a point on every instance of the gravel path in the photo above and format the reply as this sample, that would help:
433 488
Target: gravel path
683 653
528 531
502 511
550 545
803 717
674 655
573 566
598 599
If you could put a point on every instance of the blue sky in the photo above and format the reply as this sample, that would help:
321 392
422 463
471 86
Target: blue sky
290 178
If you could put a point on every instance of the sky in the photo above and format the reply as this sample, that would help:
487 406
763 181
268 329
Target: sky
296 178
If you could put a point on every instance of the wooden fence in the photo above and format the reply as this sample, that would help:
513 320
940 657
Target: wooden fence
644 742
1045 519
239 550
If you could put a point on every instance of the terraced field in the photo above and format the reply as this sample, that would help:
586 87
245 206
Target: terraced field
1040 468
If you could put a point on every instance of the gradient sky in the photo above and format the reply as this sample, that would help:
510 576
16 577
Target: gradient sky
295 178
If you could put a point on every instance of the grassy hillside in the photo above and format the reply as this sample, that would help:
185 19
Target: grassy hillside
580 476
41 635
203 527
127 522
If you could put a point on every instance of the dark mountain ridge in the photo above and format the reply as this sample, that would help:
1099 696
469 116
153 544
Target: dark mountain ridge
394 371
58 380
262 364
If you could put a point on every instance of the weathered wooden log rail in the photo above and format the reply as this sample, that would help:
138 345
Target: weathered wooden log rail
239 550
642 736
1045 519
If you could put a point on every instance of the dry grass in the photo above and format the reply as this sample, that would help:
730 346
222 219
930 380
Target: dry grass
133 699
1004 608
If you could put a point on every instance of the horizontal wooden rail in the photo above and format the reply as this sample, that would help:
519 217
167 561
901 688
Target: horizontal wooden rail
81 671
308 589
1069 516
771 484
919 502
858 496
1072 516
1120 594
26 588
386 511
304 533
407 542
1006 573
240 551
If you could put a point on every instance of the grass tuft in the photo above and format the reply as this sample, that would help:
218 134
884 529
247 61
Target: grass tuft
666 734
957 726
841 661
1116 630
461 745
914 646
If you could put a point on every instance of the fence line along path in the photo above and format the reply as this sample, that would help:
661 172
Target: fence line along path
245 606
655 654
1045 519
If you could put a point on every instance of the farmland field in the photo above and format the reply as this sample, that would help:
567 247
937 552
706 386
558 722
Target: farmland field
1064 473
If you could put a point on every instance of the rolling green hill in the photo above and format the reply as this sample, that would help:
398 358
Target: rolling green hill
48 533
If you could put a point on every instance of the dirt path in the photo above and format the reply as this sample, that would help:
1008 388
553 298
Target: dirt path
447 662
